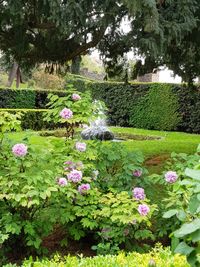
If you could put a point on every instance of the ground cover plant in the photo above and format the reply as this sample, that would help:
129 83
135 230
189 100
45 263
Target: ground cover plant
157 257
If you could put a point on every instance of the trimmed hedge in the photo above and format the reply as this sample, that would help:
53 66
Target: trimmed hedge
33 119
122 99
25 98
158 257
126 103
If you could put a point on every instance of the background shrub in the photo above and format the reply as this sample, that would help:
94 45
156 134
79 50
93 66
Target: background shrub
157 110
48 81
26 98
32 119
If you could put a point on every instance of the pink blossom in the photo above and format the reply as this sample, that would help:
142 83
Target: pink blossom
80 146
19 150
143 209
83 188
62 181
171 177
75 176
76 97
138 193
137 173
66 113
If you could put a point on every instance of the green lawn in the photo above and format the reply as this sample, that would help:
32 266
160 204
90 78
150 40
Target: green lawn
170 141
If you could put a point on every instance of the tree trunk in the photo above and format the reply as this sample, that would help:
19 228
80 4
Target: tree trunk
12 74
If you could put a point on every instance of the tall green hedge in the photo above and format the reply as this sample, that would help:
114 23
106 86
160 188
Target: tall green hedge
143 105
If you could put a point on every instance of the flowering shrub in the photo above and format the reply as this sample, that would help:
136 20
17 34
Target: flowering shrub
44 188
72 110
183 203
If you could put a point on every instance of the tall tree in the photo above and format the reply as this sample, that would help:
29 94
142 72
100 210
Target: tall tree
52 32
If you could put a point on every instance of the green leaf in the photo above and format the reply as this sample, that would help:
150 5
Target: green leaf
170 213
195 236
194 174
181 215
183 248
188 228
194 204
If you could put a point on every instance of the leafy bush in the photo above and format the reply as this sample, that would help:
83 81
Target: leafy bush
48 81
60 110
158 110
55 186
157 257
184 204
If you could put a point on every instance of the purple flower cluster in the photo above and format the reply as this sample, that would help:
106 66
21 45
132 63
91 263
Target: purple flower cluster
138 193
81 146
143 209
62 181
171 177
19 150
83 188
66 113
76 97
75 176
137 173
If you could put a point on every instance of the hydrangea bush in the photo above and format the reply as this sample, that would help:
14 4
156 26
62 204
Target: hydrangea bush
65 186
183 203
72 110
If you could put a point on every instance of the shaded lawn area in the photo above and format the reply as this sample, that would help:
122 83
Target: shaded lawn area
170 141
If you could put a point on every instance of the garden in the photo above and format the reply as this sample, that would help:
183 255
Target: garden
96 167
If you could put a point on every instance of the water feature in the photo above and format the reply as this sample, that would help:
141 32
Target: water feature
98 128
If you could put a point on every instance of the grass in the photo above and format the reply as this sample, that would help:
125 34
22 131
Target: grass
170 142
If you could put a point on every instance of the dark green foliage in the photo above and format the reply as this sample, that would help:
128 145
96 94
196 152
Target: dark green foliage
121 99
25 98
158 110
17 98
33 119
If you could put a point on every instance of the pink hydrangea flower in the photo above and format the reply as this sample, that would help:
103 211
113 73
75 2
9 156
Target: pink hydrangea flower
62 181
66 113
83 188
80 146
137 173
138 193
143 209
75 176
76 97
171 177
19 150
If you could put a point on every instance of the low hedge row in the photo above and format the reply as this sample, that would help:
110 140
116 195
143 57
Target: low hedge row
161 258
25 98
32 119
